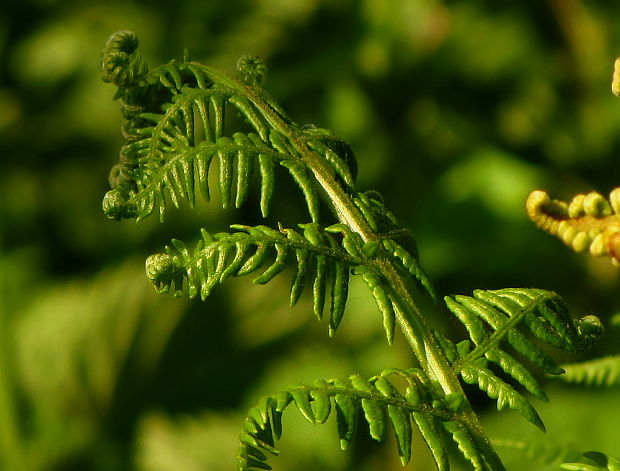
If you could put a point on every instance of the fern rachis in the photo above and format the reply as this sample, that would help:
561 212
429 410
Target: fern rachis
175 128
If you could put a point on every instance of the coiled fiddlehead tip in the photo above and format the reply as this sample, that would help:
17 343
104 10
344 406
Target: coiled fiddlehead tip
115 204
163 270
118 176
253 70
121 64
539 205
589 328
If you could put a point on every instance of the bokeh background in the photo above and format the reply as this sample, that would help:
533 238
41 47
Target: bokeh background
455 109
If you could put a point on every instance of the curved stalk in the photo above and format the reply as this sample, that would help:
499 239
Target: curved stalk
410 319
409 316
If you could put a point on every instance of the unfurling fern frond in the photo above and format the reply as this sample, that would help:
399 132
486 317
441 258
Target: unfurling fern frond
321 260
508 318
602 462
175 127
599 372
588 222
378 400
317 255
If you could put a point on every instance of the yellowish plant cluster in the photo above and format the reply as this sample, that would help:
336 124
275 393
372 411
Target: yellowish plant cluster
615 81
588 222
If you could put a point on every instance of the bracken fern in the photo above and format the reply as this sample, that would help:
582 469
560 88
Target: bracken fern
175 128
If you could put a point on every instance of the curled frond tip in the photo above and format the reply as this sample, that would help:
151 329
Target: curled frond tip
116 205
253 70
163 269
121 64
587 222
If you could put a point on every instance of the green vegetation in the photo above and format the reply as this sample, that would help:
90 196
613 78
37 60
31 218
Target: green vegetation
436 101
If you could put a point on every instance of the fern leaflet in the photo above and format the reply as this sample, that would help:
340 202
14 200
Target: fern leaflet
320 260
495 319
377 399
175 127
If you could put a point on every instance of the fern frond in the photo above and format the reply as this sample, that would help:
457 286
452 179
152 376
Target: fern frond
323 258
599 372
588 222
497 319
377 399
320 260
175 127
177 177
602 462
317 255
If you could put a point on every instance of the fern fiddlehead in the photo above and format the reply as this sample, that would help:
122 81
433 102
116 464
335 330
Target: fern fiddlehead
175 128
587 222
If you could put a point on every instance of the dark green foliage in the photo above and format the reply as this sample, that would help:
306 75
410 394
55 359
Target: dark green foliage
455 110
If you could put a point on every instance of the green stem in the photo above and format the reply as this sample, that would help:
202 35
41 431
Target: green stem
409 316
410 319
432 359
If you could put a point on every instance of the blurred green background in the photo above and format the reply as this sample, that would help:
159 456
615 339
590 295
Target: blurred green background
455 109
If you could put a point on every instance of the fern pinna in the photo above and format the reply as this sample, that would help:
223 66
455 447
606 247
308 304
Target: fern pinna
175 128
